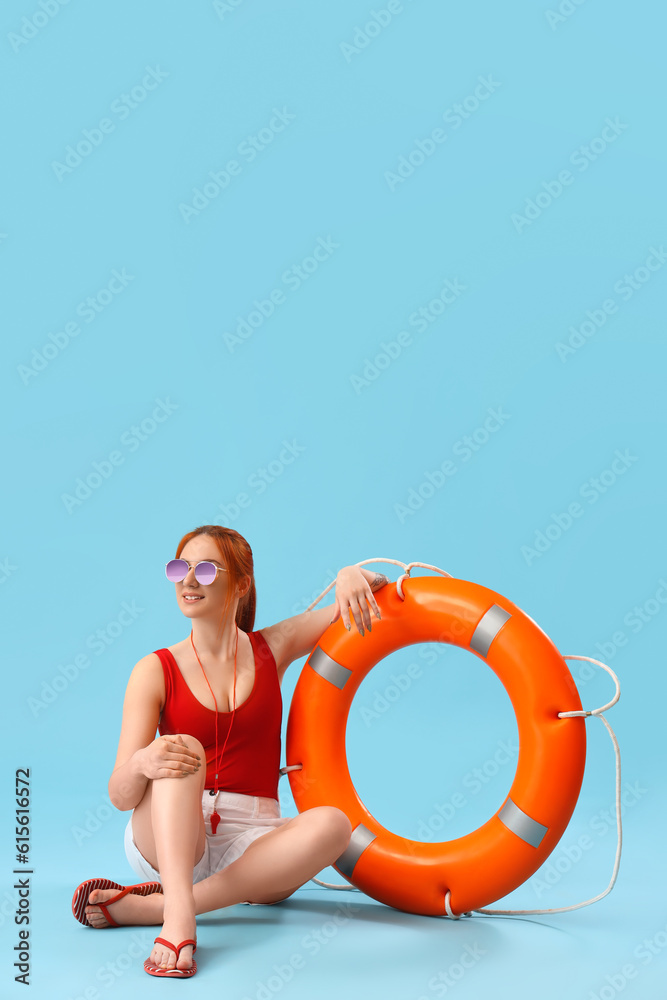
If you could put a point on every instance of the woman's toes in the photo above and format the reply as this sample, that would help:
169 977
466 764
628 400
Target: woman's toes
93 912
185 958
163 957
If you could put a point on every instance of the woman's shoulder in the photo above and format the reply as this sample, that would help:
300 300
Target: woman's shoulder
148 668
266 636
146 682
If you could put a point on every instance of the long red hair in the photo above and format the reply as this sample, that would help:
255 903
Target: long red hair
237 557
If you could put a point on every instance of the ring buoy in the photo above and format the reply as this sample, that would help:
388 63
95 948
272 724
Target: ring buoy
493 860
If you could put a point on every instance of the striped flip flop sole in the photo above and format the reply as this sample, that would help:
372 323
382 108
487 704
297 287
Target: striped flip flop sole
82 892
155 970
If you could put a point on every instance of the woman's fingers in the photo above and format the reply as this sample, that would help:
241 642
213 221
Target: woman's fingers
357 614
364 605
360 605
183 751
177 758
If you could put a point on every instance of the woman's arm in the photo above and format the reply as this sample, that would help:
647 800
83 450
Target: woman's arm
375 580
295 637
141 714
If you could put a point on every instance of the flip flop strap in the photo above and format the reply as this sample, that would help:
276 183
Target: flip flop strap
114 899
175 949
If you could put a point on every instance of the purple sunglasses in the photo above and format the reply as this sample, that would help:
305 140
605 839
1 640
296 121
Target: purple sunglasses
205 572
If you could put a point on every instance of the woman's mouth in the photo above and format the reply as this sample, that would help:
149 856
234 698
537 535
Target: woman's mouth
191 598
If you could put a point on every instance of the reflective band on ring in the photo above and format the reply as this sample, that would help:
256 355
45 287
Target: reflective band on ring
488 628
359 841
327 668
522 824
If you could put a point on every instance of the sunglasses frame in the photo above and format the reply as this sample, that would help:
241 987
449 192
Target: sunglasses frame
218 569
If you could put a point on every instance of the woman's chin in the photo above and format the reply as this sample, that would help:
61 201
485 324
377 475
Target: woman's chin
190 609
195 610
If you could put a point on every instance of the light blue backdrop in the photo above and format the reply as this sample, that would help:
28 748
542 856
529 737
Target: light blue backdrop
397 273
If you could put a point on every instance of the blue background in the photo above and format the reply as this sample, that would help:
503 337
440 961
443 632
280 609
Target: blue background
372 402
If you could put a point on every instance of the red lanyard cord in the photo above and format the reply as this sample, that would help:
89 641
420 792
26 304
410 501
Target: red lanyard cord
215 818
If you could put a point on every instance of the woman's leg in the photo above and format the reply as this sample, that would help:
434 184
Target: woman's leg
168 829
273 867
279 862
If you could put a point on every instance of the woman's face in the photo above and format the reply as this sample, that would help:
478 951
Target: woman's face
207 599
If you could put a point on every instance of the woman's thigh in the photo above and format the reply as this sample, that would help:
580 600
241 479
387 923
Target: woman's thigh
186 792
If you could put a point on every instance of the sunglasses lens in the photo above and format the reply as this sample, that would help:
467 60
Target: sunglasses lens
176 570
205 572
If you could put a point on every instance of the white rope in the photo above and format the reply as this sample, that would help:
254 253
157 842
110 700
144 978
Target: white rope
619 825
598 712
396 562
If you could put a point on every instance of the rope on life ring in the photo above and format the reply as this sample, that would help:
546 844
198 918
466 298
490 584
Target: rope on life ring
419 877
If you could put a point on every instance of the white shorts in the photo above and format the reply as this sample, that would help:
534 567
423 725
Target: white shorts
243 818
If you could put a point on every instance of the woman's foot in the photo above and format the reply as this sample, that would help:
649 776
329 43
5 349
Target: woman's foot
179 925
131 909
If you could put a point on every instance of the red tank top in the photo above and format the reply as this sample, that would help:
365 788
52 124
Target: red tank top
251 761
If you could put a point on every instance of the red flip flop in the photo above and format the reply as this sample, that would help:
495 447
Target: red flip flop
156 970
82 892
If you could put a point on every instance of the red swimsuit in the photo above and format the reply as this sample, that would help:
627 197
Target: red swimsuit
251 761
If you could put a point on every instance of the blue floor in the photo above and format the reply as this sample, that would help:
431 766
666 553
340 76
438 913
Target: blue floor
357 281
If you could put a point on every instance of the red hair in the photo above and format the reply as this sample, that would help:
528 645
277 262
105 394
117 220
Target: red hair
237 557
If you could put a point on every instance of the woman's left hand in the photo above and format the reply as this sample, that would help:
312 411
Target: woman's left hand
353 593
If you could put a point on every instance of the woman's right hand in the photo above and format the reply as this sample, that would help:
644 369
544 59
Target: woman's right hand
169 757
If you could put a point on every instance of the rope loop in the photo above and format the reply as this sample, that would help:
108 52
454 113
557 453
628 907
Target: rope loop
396 562
450 912
594 711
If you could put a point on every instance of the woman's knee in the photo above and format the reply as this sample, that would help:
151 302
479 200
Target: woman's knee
193 744
334 823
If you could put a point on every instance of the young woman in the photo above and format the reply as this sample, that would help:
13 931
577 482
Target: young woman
205 829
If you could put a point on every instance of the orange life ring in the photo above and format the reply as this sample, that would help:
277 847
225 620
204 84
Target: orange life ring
493 860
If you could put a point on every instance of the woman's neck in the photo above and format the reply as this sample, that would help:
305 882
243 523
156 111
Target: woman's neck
212 644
